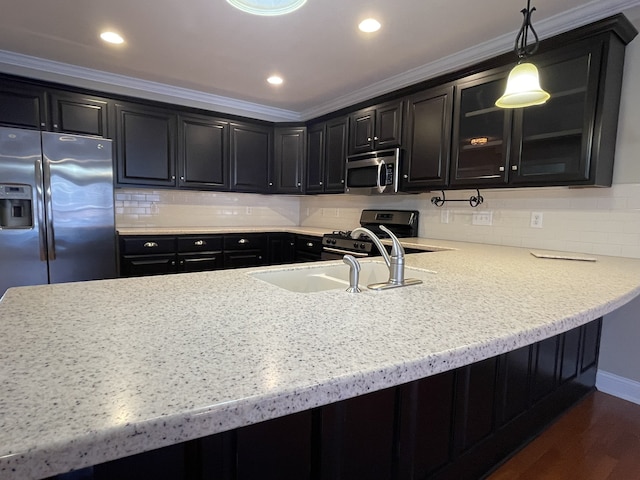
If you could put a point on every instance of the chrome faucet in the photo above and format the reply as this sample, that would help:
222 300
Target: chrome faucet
395 261
354 273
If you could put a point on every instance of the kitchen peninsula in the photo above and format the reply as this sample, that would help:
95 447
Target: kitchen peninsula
97 371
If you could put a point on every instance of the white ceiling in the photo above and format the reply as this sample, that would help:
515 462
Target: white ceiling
206 53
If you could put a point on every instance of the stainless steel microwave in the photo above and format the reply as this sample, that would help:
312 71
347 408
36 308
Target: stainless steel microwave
373 173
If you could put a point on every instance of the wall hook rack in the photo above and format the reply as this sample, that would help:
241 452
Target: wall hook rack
474 200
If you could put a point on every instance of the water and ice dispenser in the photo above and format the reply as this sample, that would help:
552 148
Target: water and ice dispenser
16 209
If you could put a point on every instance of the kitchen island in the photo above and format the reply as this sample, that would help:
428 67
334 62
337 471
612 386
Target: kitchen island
96 371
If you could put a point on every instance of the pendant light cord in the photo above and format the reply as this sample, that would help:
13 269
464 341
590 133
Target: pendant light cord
520 47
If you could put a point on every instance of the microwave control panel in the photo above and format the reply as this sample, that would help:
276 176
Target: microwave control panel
389 170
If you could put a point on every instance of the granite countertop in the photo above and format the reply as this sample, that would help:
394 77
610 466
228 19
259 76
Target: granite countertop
94 371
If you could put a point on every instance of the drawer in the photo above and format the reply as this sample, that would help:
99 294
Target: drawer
200 262
246 241
200 243
308 244
244 258
147 245
142 265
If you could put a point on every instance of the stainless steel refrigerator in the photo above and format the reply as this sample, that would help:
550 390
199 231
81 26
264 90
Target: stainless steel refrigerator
57 220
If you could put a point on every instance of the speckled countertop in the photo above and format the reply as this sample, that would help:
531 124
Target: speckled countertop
95 371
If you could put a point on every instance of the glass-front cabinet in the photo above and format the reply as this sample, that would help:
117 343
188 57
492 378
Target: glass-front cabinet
481 132
552 142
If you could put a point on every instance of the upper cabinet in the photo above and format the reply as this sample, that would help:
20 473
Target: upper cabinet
427 139
145 145
28 106
203 152
376 128
327 156
289 160
251 153
570 140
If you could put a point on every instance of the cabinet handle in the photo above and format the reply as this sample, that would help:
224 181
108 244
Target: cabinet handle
375 138
150 245
181 178
173 177
299 184
405 176
199 243
242 241
501 169
368 139
271 184
320 183
341 181
310 244
43 124
173 263
55 125
514 167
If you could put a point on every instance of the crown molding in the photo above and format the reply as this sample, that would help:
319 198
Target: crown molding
82 77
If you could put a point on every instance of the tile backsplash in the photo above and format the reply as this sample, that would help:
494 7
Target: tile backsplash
598 221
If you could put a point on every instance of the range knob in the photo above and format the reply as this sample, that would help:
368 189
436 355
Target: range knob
333 241
362 245
355 244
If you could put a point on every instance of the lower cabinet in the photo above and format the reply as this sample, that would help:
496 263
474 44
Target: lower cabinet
245 250
458 425
282 248
308 248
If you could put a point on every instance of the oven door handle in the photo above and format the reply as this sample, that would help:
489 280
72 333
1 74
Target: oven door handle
345 252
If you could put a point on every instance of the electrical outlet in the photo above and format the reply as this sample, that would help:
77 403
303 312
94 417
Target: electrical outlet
482 218
444 216
249 211
536 219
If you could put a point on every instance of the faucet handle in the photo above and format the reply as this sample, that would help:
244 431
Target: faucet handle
397 250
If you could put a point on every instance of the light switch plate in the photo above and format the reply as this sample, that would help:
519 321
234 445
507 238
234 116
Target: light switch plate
482 218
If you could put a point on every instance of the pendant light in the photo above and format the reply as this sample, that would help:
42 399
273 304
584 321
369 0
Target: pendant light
523 85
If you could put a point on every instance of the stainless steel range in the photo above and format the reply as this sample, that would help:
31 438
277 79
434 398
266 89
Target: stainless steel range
403 223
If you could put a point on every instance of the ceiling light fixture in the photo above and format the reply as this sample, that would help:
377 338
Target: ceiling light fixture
523 85
267 7
275 80
112 37
369 25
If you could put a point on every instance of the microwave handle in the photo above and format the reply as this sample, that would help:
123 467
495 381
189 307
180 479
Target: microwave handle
381 165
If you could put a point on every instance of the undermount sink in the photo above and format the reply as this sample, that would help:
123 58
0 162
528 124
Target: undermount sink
318 278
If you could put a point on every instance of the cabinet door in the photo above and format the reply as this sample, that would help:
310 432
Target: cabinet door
335 155
251 147
22 105
481 132
308 248
388 125
145 139
552 142
428 140
282 248
143 265
79 114
203 152
315 158
361 129
289 161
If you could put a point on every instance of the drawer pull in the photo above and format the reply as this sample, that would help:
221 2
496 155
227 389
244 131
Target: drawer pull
310 244
199 243
150 245
242 241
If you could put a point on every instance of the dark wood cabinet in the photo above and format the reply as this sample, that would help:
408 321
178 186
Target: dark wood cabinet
376 128
245 250
203 152
428 139
79 114
251 151
145 145
282 248
147 255
308 248
22 105
289 160
481 132
327 156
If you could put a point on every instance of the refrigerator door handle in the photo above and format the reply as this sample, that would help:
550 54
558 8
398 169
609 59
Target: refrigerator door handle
39 207
51 243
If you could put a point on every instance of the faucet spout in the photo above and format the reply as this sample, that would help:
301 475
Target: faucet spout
355 233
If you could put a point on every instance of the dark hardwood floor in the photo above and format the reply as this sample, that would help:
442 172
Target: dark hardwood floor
599 439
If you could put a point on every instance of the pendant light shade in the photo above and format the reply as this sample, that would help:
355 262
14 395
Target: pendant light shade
523 85
267 7
523 88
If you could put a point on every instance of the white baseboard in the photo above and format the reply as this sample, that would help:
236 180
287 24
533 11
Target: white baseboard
618 386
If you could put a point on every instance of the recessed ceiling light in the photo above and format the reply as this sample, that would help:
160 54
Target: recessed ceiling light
369 25
267 7
112 37
275 80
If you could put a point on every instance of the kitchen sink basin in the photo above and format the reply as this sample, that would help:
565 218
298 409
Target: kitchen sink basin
318 278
